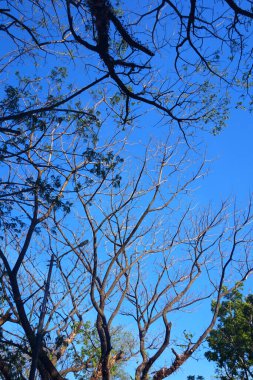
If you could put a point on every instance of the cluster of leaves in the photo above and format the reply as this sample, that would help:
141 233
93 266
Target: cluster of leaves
231 343
48 191
87 351
101 165
8 221
11 357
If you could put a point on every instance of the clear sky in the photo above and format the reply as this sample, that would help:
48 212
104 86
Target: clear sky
230 175
232 151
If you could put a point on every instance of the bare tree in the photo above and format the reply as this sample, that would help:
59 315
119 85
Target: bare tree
126 252
128 247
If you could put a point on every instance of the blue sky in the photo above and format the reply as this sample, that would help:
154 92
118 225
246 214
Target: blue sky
230 175
232 152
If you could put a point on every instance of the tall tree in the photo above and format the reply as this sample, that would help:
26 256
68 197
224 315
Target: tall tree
108 219
126 246
231 341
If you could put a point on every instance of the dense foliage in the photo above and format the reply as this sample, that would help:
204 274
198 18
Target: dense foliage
231 342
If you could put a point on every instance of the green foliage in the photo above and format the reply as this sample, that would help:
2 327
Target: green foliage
11 101
38 135
89 350
13 357
231 343
102 164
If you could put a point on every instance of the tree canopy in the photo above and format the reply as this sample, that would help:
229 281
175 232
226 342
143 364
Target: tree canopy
171 56
230 342
101 247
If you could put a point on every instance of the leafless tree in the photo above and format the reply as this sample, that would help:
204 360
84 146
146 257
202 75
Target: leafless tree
126 245
128 248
